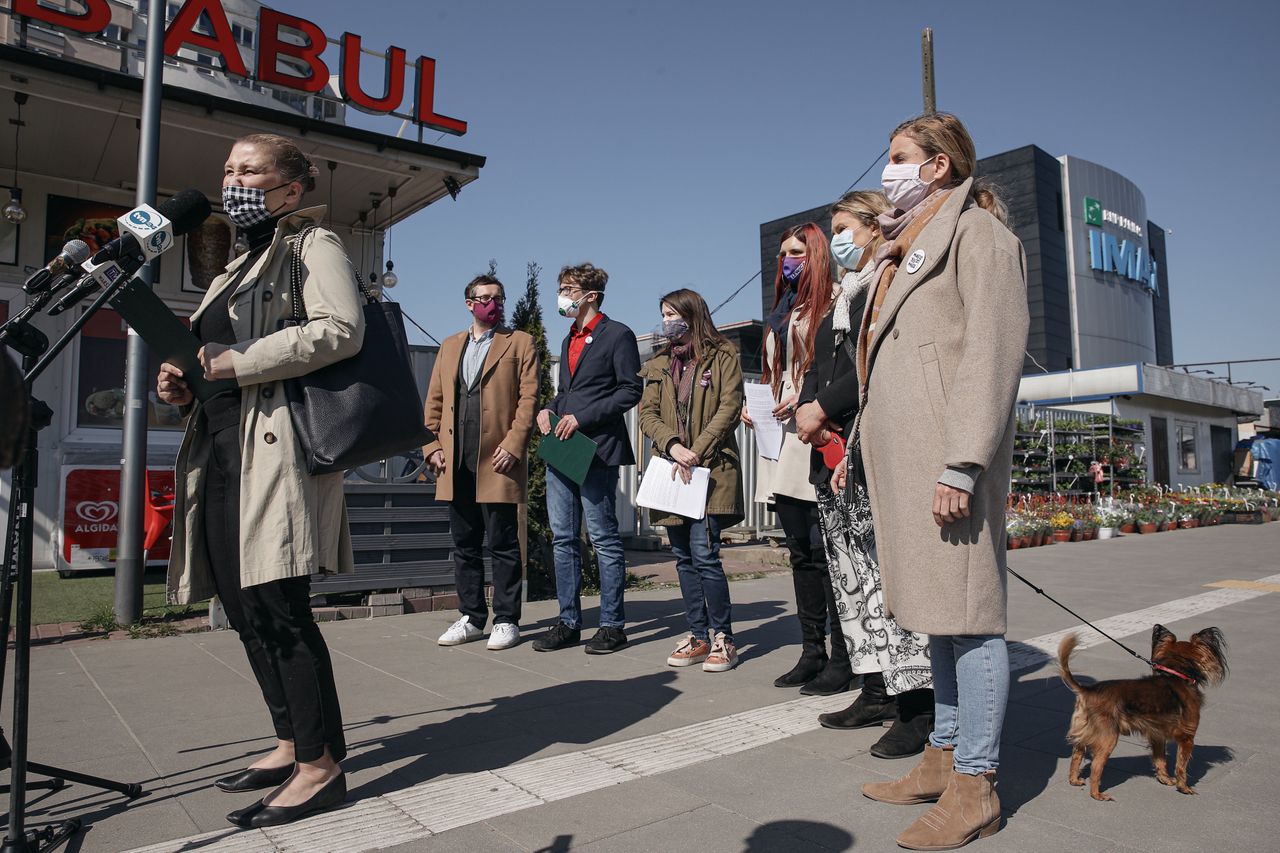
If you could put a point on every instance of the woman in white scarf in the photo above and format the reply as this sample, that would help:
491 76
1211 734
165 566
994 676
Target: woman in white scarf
894 663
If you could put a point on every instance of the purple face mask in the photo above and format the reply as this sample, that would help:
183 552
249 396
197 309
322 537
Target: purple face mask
792 268
487 314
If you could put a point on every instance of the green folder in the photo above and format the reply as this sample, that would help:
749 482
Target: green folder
167 336
571 457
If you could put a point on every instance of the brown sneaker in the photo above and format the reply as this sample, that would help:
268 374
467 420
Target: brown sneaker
689 651
923 784
723 657
967 810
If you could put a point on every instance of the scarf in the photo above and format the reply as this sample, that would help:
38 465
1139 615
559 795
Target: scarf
852 285
683 360
900 231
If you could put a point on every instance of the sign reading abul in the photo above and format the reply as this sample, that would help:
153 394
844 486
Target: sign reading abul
196 15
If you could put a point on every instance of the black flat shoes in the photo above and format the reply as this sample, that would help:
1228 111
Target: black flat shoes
259 815
255 779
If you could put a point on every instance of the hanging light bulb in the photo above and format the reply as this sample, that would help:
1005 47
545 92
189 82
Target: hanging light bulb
389 278
14 211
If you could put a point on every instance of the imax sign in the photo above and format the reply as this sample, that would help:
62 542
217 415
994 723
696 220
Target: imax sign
1122 257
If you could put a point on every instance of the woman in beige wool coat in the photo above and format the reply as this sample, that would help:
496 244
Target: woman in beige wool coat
940 356
251 525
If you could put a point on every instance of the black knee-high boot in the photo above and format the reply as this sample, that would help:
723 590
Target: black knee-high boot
811 608
837 675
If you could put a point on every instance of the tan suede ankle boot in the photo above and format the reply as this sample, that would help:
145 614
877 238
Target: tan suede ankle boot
968 809
924 784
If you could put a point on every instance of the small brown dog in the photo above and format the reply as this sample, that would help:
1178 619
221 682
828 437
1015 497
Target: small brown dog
1163 706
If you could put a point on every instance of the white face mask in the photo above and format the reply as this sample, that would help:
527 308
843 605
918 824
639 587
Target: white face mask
569 307
903 185
844 251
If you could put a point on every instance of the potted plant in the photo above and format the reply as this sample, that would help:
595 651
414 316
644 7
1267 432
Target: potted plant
1147 520
1109 521
1013 529
1062 524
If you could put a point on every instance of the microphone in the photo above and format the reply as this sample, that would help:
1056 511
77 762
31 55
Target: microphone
174 217
73 254
146 232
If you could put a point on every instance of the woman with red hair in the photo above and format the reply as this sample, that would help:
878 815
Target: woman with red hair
803 292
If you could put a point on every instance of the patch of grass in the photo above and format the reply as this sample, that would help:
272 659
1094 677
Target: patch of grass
103 618
88 595
148 630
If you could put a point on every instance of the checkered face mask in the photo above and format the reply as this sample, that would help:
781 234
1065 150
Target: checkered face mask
247 206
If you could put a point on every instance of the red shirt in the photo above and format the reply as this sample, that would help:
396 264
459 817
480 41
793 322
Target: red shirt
578 341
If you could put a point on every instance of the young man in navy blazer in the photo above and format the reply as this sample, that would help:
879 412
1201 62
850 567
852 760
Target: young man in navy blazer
599 383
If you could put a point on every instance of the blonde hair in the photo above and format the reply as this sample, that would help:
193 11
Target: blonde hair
943 133
289 160
865 206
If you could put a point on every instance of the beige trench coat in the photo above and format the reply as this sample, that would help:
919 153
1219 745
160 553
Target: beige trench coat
944 365
508 398
291 523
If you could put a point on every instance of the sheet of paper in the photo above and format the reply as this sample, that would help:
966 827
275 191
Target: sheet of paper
658 490
769 430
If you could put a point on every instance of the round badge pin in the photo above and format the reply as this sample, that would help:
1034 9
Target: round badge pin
589 339
915 261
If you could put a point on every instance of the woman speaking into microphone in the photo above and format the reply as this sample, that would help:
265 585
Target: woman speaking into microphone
251 525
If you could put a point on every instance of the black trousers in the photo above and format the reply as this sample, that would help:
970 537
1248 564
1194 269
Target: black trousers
286 651
469 522
815 599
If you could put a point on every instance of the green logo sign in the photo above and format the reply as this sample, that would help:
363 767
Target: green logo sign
1092 211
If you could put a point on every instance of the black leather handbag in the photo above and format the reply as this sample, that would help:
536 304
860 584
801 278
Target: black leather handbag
363 408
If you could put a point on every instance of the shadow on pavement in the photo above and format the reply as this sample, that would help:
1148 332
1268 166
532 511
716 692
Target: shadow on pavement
509 729
798 836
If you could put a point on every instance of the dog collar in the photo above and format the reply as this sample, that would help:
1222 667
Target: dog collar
1161 668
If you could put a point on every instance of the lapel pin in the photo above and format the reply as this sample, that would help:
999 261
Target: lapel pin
915 261
589 339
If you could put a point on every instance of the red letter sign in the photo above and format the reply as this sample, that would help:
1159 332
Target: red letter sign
94 19
182 31
349 82
425 107
271 46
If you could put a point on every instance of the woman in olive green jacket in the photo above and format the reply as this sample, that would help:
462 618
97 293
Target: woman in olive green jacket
690 408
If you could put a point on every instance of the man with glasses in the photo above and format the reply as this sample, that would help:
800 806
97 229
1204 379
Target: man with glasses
599 383
480 405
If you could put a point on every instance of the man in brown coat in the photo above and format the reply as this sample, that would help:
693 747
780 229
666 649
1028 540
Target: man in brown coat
480 405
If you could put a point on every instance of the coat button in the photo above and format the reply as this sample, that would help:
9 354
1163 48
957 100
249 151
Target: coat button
269 438
895 334
267 393
266 297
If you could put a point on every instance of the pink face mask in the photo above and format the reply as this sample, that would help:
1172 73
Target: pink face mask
490 314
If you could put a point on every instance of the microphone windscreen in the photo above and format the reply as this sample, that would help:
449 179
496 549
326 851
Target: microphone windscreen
187 209
77 252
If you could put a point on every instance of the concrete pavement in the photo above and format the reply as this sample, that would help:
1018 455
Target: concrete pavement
465 749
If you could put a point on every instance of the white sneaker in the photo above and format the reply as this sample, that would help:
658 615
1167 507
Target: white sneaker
504 636
460 632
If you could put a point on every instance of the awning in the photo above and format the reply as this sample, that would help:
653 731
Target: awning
82 124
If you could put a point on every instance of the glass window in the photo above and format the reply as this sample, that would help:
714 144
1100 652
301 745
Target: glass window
242 34
100 378
1188 458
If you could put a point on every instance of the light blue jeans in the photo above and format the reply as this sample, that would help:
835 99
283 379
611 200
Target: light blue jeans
970 689
567 505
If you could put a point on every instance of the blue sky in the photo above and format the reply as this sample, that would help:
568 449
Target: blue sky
653 138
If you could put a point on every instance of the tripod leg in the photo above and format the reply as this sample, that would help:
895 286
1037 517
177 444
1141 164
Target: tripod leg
129 789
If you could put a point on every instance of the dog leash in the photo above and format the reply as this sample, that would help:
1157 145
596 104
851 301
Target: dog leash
1147 661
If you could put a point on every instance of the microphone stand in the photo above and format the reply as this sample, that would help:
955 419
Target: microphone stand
33 345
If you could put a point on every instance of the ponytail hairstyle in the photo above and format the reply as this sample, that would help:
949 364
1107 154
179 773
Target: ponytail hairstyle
290 162
693 309
865 206
814 295
943 133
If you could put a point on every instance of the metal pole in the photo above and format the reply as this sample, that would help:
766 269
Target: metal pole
926 59
133 462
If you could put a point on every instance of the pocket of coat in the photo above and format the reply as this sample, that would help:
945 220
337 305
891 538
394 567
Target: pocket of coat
933 381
